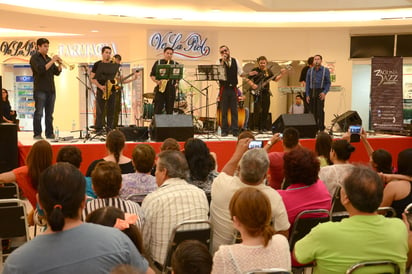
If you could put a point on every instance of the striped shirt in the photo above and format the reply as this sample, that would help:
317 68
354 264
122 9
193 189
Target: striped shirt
124 205
172 203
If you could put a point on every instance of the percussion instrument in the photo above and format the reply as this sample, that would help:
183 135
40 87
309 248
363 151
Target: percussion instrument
149 95
148 111
241 115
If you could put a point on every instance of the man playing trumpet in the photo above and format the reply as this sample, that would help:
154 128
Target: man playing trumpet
44 92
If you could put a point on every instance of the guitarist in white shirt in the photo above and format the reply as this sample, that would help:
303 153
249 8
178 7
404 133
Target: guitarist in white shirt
260 84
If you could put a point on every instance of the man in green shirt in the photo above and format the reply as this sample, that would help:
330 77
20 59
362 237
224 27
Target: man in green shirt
364 236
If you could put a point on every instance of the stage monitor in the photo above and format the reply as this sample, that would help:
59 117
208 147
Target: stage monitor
372 46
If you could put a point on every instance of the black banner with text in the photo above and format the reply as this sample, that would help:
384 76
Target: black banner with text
386 94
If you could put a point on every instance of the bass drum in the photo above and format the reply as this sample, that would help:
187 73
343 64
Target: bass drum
148 111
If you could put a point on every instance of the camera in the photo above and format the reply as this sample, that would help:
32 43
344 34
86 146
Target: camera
355 132
255 144
408 213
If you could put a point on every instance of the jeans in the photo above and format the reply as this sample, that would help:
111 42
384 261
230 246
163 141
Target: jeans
43 101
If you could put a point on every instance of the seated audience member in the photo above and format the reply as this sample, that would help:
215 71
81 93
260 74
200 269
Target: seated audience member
106 182
115 143
306 191
141 181
173 202
191 257
6 114
333 175
70 154
246 134
250 211
252 167
114 217
298 107
290 141
398 193
380 159
364 236
39 158
322 148
201 164
168 144
69 245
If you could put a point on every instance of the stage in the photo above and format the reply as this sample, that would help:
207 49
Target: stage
222 146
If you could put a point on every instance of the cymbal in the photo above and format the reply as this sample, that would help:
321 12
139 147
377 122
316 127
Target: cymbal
149 95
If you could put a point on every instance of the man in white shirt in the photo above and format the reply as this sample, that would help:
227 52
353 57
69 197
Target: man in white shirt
297 107
252 167
173 202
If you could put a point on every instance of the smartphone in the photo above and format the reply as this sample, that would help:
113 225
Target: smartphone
255 144
408 213
355 132
281 136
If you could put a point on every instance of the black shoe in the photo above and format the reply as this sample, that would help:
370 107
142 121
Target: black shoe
51 136
37 137
235 134
224 134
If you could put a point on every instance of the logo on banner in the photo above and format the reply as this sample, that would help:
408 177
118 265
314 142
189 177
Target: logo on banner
192 45
387 77
18 48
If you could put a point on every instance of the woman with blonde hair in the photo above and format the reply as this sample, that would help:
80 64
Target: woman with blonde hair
261 247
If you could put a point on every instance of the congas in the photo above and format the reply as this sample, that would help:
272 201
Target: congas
148 111
241 115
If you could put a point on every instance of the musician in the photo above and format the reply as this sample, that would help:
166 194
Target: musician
259 81
165 90
44 92
120 81
317 86
104 107
228 91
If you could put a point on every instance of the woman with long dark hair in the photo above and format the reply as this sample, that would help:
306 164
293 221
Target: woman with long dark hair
115 143
6 114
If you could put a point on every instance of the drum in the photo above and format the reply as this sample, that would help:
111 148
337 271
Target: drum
148 111
241 116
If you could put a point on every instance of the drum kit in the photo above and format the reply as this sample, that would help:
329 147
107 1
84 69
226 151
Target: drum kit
180 105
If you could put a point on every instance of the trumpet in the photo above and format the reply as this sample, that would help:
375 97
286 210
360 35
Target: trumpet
64 64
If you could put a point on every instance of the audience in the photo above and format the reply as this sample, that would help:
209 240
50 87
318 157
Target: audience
380 159
323 146
114 144
246 134
306 191
398 193
191 257
252 169
364 236
290 141
106 182
140 182
68 245
70 154
250 211
7 115
170 144
173 202
201 164
334 175
27 177
114 217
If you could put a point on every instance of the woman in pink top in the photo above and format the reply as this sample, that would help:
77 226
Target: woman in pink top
38 159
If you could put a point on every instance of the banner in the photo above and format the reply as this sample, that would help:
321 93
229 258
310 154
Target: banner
386 94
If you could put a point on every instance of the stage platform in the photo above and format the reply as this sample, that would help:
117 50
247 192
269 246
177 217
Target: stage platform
222 146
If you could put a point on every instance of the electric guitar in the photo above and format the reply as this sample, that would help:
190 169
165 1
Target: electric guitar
261 85
115 83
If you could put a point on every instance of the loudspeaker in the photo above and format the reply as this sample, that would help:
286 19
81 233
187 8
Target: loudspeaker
304 123
347 119
9 154
134 133
179 127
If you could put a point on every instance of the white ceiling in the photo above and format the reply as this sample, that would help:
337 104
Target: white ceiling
117 16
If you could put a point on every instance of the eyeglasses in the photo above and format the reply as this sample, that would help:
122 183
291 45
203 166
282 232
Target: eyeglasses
223 51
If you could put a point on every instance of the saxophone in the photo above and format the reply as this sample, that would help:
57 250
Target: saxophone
163 82
109 85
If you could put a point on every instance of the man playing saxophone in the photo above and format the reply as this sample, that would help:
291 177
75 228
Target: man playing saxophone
105 99
165 90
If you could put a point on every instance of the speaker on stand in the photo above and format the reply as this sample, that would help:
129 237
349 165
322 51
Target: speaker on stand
179 127
349 118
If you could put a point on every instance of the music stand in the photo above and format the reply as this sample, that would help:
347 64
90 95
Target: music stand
169 72
105 72
206 73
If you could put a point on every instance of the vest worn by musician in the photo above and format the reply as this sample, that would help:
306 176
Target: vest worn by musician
231 74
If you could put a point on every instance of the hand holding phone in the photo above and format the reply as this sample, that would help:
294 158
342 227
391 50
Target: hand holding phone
255 144
355 132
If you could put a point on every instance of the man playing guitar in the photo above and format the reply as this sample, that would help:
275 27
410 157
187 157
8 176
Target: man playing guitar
259 81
